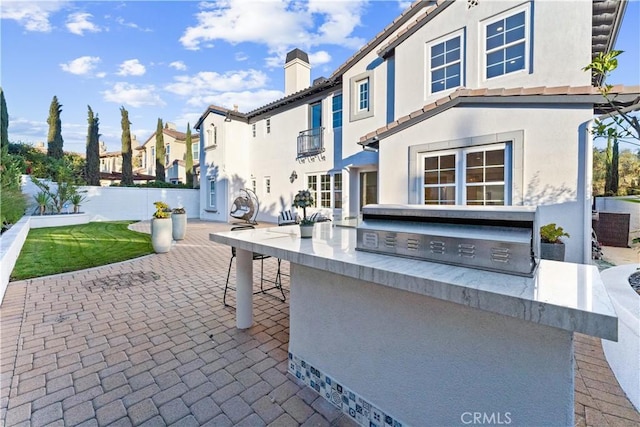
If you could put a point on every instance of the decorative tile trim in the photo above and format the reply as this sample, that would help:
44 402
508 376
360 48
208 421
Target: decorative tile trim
361 411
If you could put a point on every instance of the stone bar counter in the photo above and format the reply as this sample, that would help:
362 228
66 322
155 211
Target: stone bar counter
402 342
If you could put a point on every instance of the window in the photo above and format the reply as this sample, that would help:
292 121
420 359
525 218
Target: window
167 152
215 135
267 185
195 152
253 130
326 190
337 191
253 185
446 65
153 154
337 110
506 45
471 176
363 94
212 192
268 125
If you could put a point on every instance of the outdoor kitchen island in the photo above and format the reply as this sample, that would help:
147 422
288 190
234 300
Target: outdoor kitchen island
397 341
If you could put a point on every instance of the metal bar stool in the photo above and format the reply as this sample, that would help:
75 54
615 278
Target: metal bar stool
277 283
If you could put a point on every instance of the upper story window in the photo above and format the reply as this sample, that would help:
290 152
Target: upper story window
446 64
267 185
167 154
361 94
336 104
195 152
253 130
268 125
506 45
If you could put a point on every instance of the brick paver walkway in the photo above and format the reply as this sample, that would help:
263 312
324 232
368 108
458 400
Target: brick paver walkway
148 342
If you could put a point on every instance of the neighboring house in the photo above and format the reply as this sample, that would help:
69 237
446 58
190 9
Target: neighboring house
175 154
111 165
456 102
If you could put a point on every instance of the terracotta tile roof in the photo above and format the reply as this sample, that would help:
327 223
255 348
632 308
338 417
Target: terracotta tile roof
630 95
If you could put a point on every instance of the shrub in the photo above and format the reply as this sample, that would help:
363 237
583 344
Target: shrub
12 206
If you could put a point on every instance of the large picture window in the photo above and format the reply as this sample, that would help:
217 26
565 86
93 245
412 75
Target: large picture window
326 190
446 64
466 176
506 45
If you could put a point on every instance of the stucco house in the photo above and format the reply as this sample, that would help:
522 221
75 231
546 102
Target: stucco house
175 154
461 102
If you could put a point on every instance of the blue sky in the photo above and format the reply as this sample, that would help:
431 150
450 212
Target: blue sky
171 59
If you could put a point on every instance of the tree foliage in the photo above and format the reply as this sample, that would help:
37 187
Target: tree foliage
92 167
4 121
160 152
629 171
127 165
54 138
188 161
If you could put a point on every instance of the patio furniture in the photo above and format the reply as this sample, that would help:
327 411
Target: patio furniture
246 206
287 218
277 282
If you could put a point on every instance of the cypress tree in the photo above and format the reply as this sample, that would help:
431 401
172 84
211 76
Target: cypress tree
54 139
127 166
4 121
615 175
92 166
160 153
188 161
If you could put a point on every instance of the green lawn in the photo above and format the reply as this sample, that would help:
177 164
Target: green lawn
61 249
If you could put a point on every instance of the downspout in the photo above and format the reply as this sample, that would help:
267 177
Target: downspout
587 172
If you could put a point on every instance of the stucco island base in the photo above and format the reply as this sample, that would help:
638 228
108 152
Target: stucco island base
419 361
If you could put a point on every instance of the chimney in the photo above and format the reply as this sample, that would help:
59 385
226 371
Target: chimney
297 72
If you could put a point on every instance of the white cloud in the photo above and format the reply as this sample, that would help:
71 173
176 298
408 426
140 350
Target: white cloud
320 57
101 75
81 66
33 16
136 96
79 22
131 67
178 65
246 100
243 21
241 56
208 82
124 23
402 4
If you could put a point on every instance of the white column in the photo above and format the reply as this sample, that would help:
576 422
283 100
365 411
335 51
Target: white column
244 288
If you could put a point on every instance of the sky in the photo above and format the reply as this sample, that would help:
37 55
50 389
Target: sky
171 59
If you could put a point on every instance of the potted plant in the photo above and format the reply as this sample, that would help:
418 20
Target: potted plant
42 199
551 247
179 223
161 228
303 200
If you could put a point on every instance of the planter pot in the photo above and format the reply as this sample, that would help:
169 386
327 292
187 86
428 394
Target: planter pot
161 235
179 222
306 231
552 251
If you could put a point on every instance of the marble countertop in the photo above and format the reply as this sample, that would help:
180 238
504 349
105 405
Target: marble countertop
562 295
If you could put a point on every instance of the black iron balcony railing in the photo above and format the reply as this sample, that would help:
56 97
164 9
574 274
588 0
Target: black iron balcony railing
310 142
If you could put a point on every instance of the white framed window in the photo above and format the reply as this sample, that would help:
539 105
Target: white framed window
362 89
361 94
507 43
267 124
153 155
267 185
212 192
445 63
195 151
466 176
253 130
253 185
326 190
167 154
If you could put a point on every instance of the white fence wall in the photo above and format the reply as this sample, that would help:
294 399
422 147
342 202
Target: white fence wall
11 243
126 203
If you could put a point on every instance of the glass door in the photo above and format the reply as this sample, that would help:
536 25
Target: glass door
368 188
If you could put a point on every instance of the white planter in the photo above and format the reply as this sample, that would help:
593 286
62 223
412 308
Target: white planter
306 231
161 234
179 222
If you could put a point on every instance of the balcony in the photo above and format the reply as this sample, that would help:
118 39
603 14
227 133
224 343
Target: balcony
310 142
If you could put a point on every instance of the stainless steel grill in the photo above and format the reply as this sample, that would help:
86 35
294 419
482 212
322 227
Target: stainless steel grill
496 238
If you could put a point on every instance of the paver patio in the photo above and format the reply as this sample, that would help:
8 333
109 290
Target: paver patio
149 342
